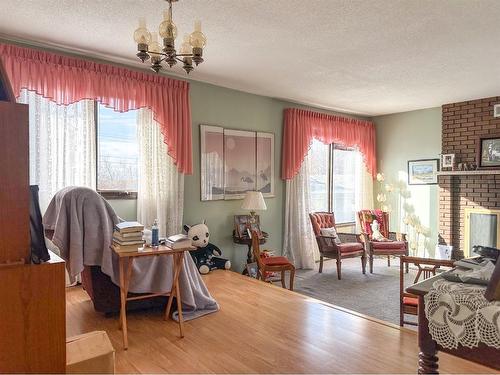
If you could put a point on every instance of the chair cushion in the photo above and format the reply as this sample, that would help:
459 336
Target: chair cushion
275 261
350 247
388 245
412 301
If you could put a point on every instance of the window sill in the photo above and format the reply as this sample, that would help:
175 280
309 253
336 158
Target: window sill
116 194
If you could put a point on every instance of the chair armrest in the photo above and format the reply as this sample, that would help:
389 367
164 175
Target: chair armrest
349 237
397 236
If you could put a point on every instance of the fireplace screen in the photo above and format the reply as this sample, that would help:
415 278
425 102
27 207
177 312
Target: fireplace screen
482 228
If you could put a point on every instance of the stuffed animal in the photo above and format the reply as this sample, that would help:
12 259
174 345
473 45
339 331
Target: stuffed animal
207 257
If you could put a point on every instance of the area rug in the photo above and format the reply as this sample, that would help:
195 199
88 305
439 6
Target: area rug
375 295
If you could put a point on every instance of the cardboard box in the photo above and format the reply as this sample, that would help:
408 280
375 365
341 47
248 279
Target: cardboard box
90 353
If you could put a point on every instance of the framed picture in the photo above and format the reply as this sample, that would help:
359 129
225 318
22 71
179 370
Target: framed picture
212 162
265 164
239 163
252 269
488 152
448 161
243 226
423 172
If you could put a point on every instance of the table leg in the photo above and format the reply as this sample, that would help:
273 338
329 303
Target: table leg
180 261
427 357
123 303
173 289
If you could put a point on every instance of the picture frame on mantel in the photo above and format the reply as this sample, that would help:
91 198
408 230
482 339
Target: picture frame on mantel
488 151
423 171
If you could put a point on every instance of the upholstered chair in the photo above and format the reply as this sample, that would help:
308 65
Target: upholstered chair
396 244
346 245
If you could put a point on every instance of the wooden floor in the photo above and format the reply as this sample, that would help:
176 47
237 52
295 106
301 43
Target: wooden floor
260 328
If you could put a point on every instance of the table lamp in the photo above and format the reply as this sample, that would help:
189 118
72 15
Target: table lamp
254 201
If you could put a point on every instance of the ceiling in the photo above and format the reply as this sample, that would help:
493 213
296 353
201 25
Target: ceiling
368 57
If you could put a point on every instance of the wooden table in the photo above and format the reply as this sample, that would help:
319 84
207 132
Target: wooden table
125 263
428 357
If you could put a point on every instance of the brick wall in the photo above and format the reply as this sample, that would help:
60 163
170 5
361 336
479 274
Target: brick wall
462 124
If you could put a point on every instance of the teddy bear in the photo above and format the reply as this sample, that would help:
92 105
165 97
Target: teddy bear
207 256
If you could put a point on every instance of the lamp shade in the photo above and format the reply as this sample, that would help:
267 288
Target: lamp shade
254 201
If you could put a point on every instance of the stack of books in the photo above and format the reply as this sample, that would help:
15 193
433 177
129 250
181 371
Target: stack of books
127 237
178 241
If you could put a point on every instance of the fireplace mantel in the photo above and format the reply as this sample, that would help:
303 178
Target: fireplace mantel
469 173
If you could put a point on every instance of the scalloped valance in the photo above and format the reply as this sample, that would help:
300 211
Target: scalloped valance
66 80
302 126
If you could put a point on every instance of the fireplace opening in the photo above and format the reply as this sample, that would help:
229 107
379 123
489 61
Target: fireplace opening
482 227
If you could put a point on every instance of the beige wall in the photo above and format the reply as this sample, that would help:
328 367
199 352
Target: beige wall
402 137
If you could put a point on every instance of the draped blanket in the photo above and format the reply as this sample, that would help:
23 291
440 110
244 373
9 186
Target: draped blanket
81 224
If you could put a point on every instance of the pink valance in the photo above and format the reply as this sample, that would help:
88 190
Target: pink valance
66 80
301 126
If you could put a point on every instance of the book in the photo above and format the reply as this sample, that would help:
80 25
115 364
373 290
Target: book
178 241
127 243
119 238
129 226
128 235
125 249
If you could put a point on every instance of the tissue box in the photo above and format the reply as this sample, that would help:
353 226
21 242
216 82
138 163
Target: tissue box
90 353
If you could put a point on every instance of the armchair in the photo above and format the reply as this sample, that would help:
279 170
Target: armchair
397 244
350 244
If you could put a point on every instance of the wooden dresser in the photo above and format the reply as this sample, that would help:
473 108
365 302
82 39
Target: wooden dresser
32 297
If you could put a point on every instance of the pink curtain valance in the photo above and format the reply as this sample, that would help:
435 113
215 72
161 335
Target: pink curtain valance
301 126
66 80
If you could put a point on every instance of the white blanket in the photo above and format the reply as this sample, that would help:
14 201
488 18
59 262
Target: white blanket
81 222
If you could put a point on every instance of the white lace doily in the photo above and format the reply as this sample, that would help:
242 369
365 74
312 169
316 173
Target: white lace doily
459 314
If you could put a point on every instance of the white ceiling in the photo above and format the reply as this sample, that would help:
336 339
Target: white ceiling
369 57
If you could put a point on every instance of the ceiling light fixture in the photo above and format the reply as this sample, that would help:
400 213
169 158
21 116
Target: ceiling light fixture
148 47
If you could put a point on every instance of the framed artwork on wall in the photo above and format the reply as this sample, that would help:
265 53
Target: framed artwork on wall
448 161
239 163
212 162
423 172
488 152
265 164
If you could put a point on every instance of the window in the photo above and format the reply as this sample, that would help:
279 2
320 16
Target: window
335 180
117 152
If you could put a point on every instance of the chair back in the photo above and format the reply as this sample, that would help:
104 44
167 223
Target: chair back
321 220
366 218
256 248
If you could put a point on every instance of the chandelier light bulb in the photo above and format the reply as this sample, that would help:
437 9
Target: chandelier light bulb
186 48
197 38
167 28
154 46
141 34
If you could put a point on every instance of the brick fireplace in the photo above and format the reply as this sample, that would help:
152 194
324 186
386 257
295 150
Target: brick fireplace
462 124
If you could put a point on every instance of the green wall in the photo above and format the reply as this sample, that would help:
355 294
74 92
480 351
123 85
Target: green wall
402 137
215 105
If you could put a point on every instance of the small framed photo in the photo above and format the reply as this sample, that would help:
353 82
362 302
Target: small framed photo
488 152
448 161
423 172
252 269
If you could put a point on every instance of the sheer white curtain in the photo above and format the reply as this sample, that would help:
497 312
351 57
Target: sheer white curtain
299 243
62 145
160 193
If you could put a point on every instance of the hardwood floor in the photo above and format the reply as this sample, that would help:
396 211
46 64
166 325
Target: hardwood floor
260 328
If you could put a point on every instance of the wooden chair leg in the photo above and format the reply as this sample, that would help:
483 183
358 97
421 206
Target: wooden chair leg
320 263
292 276
388 260
283 279
339 268
407 267
363 264
371 263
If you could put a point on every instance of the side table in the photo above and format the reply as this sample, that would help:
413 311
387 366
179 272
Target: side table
125 264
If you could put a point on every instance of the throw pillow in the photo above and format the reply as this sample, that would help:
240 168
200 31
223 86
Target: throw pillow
330 232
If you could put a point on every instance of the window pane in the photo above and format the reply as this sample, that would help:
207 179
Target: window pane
346 184
117 150
318 158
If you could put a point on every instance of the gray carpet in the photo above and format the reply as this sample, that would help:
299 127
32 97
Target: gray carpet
375 294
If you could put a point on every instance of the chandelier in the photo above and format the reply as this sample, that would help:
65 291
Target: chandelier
191 50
